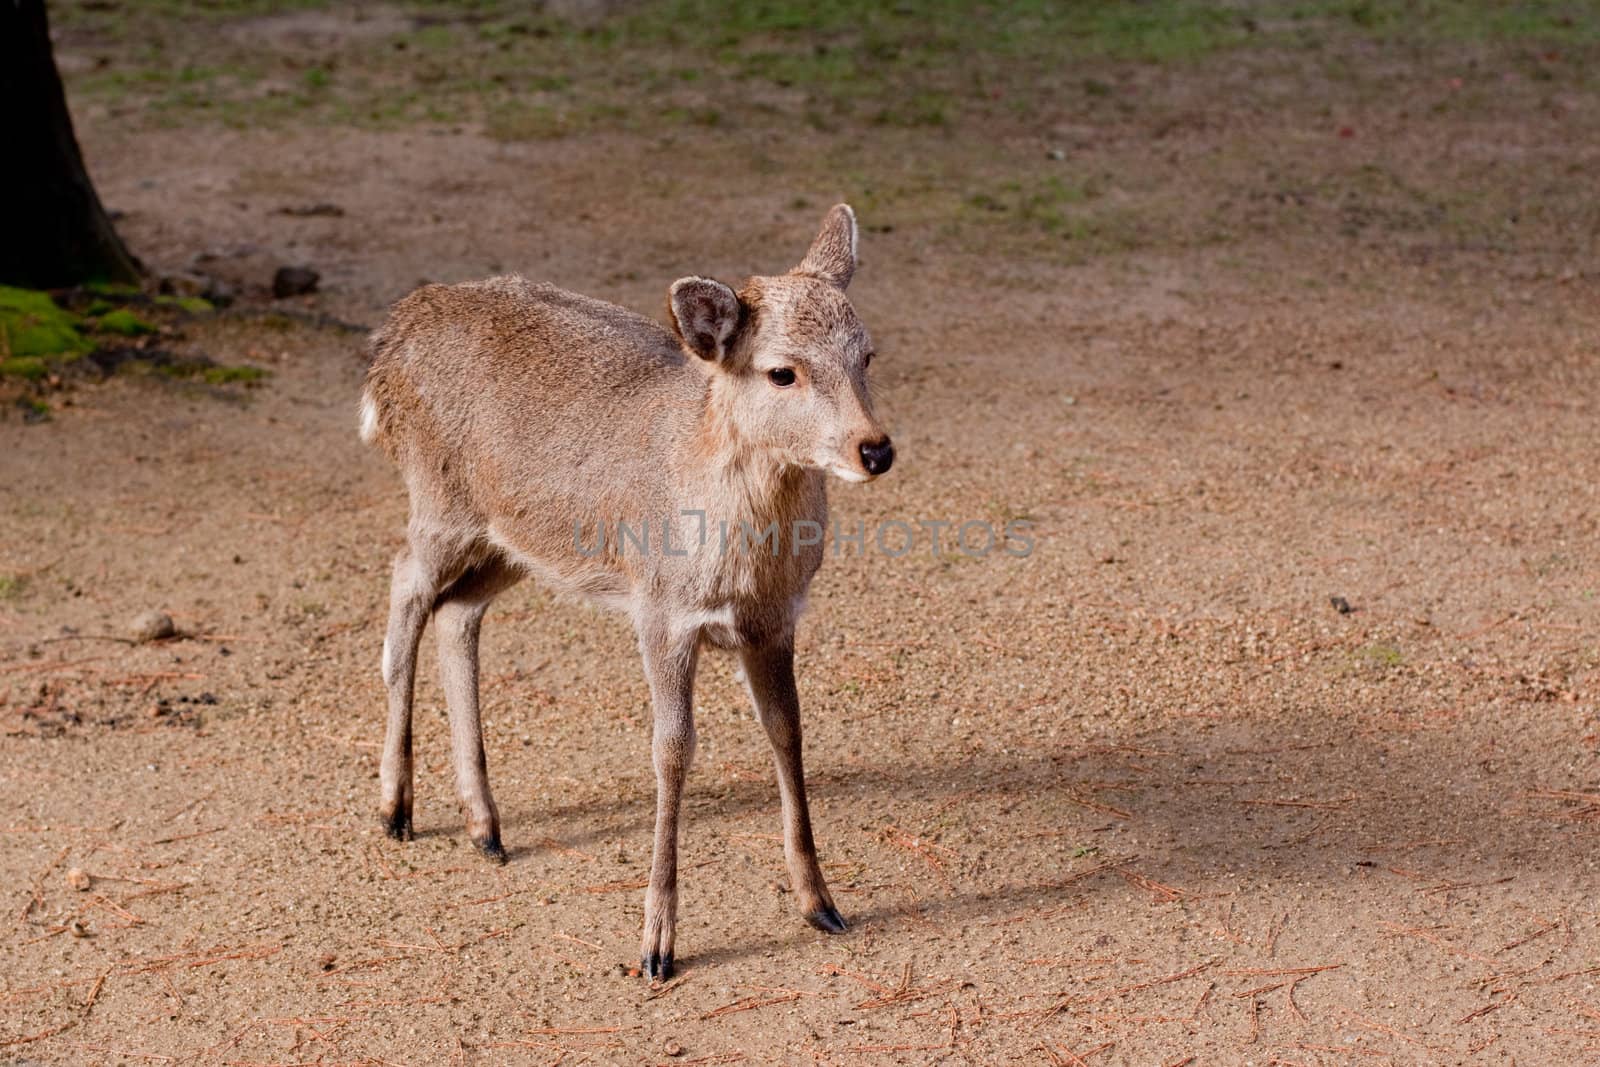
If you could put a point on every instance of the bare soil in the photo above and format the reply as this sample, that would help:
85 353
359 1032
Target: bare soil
1145 796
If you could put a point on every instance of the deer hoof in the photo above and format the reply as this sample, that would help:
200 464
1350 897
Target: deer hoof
398 826
828 920
491 848
656 966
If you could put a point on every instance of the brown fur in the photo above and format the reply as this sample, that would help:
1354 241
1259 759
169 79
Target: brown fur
515 410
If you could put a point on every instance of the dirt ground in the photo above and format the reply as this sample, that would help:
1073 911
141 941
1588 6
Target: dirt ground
1272 333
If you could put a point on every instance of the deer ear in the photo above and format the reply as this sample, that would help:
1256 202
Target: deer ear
705 315
832 256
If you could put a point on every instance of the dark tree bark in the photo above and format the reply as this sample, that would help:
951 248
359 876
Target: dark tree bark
53 230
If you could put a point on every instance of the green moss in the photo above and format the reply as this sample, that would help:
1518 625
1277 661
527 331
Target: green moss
32 325
123 323
33 409
205 371
115 289
227 375
194 305
30 367
275 321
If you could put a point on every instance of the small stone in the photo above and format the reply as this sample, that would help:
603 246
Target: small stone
1341 605
184 283
78 878
1056 154
672 1048
219 292
77 929
294 281
152 626
307 211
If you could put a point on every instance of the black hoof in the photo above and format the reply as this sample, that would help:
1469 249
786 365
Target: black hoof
828 920
398 826
491 848
656 966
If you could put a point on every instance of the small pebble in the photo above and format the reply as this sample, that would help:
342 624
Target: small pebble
78 878
152 626
77 929
672 1048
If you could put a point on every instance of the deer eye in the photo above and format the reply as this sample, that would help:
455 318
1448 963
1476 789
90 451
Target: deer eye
783 377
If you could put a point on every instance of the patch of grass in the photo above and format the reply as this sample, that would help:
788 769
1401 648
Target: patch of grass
894 62
515 121
921 64
1056 216
1381 655
230 375
688 116
31 324
1553 21
12 586
928 107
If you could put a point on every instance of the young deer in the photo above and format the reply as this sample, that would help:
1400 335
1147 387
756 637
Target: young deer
525 419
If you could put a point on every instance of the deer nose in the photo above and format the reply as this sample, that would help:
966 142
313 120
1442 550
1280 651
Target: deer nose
877 456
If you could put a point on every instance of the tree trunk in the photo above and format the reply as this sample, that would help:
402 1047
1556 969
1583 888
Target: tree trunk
53 230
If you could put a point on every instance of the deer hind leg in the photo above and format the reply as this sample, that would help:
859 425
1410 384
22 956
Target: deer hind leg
669 664
457 616
412 590
769 670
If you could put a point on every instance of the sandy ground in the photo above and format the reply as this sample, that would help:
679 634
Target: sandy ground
1142 797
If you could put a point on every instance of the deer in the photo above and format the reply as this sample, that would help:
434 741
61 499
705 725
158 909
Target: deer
524 419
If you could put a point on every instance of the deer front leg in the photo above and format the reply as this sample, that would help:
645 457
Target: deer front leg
669 664
769 669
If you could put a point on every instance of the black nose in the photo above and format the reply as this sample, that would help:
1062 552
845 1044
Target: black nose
877 456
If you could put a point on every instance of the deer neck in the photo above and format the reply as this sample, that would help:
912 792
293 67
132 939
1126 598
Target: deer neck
745 482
